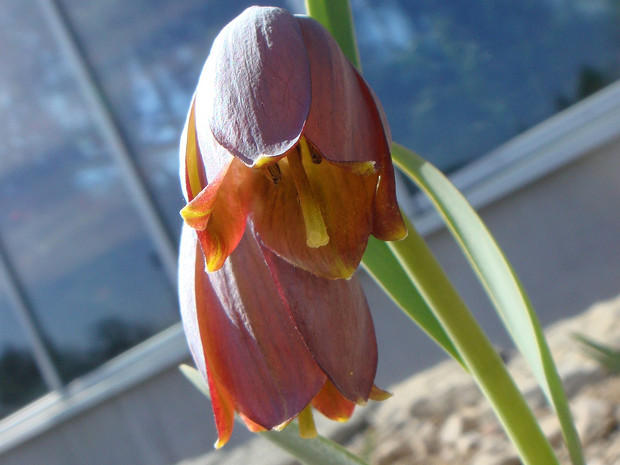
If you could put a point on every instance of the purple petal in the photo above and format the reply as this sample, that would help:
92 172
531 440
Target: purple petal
334 320
343 117
248 338
187 296
255 88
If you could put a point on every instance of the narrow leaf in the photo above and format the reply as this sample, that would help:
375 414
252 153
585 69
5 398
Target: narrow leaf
499 280
609 358
481 359
315 451
195 377
336 17
383 267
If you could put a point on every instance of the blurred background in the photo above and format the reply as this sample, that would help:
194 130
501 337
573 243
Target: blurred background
519 100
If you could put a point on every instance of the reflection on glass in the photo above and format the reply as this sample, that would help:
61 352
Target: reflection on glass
71 232
148 55
458 78
20 380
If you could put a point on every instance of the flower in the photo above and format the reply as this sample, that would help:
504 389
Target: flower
286 169
272 340
284 130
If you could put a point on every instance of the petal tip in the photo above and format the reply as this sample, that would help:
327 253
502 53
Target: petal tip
378 394
389 227
195 218
214 262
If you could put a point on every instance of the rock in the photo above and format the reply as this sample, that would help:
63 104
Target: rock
551 429
594 418
452 429
494 459
467 443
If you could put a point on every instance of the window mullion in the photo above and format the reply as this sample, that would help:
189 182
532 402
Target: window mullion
111 133
20 305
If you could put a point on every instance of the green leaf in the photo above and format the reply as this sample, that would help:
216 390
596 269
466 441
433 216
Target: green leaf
479 356
337 18
605 355
383 267
195 377
499 280
316 451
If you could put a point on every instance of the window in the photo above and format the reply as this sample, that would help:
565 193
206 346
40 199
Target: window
459 78
94 94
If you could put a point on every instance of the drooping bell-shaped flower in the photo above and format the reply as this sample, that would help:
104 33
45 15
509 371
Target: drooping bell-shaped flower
284 131
286 169
272 340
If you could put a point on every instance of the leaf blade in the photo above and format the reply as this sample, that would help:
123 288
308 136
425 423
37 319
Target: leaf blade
383 267
499 280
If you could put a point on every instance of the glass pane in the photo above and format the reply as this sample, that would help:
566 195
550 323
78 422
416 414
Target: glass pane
458 78
70 229
148 55
20 379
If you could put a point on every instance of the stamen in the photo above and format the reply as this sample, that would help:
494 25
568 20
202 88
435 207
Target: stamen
316 233
274 172
307 428
315 154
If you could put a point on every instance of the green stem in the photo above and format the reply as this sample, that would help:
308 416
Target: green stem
479 355
337 18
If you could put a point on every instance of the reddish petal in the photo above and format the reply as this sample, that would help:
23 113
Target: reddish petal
187 296
197 212
347 123
346 203
252 346
218 203
333 318
222 211
255 87
223 409
331 403
254 427
388 224
341 120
